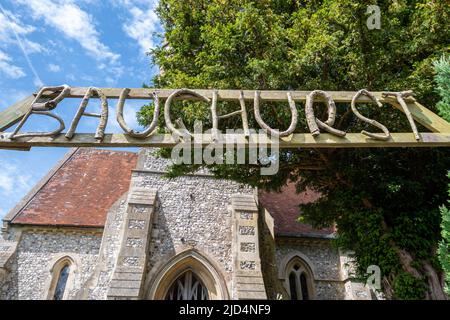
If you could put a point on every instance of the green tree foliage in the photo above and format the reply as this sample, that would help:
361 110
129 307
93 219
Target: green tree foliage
443 80
444 245
383 201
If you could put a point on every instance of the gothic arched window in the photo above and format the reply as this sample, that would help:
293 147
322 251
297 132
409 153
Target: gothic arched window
299 280
187 287
293 286
61 278
60 287
304 286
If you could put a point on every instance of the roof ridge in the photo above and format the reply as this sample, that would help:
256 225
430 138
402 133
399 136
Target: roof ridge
90 149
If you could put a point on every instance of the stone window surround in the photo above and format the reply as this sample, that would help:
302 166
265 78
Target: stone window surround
54 268
286 265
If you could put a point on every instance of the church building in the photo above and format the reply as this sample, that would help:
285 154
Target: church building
108 224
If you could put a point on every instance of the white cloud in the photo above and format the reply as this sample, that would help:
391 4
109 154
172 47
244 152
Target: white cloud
9 69
10 26
14 31
37 82
141 26
9 23
71 77
110 81
11 95
12 180
130 109
33 47
142 23
54 67
6 183
73 22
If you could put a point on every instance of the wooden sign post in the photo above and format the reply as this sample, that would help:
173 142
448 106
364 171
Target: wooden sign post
414 112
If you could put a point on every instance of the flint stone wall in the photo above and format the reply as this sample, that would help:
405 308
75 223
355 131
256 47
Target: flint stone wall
325 261
29 271
192 211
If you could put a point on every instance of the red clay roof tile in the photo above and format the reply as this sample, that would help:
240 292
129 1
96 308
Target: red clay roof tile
81 192
284 208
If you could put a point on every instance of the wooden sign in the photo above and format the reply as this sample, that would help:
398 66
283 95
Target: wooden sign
322 133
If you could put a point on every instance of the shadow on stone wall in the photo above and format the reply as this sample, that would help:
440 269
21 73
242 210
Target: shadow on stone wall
269 268
10 280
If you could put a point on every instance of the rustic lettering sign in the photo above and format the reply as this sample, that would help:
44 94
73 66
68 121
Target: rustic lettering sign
48 98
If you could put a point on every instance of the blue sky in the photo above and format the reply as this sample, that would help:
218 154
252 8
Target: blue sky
79 43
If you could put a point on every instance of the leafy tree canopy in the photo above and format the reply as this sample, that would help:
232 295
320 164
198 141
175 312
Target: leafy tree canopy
443 80
384 202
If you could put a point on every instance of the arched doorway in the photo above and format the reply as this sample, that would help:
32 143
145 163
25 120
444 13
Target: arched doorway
188 276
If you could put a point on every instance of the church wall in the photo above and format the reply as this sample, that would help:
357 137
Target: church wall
202 220
269 266
98 284
193 211
323 259
29 271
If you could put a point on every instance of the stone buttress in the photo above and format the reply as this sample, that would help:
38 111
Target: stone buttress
128 277
248 279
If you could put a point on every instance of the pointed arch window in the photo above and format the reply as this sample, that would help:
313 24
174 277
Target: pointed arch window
293 286
299 280
187 287
61 278
61 284
190 275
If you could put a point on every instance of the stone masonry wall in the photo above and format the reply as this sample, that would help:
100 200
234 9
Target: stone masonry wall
325 262
29 270
100 279
269 266
193 211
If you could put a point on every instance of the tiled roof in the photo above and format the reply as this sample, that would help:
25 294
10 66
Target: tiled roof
81 191
89 181
284 208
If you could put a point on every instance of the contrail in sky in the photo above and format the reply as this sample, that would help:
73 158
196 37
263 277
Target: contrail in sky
38 81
